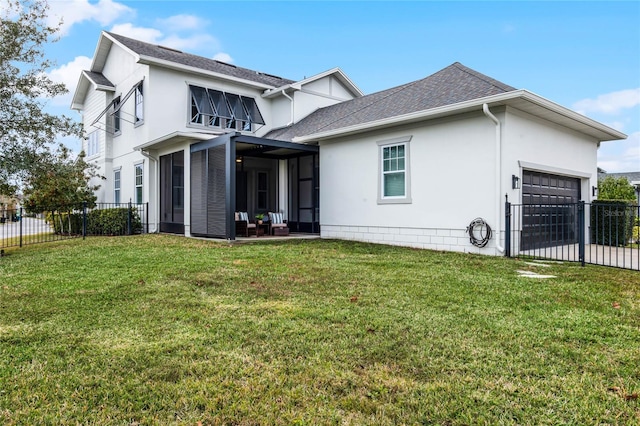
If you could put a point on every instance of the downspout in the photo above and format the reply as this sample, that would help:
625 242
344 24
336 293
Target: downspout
157 188
291 99
485 109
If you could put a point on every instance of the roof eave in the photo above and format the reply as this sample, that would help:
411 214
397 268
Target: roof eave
607 133
149 60
340 75
175 137
600 131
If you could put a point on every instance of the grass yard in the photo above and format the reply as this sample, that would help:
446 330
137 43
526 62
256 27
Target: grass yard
167 330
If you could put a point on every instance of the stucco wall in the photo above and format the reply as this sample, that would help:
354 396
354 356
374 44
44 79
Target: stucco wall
452 168
544 146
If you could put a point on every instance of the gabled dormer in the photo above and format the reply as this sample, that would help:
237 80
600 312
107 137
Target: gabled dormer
294 101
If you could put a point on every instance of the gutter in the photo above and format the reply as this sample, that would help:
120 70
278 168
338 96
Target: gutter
156 178
485 109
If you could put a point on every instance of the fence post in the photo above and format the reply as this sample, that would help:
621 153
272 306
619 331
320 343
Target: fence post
84 220
129 219
581 229
507 226
21 221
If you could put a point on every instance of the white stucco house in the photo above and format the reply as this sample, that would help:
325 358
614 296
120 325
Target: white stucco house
412 165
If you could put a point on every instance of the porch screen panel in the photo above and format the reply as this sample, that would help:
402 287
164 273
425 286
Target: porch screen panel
216 192
199 192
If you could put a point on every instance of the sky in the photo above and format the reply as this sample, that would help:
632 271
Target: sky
584 55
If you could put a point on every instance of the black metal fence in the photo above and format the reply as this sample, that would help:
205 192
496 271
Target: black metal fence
20 227
600 233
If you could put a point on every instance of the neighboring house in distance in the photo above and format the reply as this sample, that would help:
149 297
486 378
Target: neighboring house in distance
412 165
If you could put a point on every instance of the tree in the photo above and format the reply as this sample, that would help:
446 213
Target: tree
612 188
60 184
26 131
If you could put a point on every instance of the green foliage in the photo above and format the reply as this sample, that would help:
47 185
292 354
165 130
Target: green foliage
612 222
117 221
612 188
65 223
26 131
60 181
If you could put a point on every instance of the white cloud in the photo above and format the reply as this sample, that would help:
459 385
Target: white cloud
190 43
610 103
75 11
620 156
149 35
183 22
223 57
68 74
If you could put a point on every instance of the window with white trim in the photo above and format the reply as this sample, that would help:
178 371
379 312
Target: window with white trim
116 116
394 185
93 144
116 186
139 170
213 108
139 101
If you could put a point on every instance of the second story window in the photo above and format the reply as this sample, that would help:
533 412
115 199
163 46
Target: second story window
213 108
116 115
139 112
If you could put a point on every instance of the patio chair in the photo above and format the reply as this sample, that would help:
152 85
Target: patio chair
277 224
243 226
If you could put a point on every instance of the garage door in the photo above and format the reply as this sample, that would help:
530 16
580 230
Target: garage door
550 210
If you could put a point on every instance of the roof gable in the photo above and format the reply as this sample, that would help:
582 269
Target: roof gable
453 84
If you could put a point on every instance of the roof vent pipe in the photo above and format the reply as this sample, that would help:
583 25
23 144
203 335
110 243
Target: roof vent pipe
485 109
291 99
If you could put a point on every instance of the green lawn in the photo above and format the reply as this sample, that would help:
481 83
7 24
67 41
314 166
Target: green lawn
167 330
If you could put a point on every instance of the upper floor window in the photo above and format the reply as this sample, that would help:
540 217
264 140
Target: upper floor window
394 175
93 144
116 115
214 108
139 98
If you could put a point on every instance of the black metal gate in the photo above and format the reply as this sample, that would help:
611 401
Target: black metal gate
600 233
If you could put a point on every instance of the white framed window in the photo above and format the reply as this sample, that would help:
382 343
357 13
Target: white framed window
93 144
394 186
116 186
116 116
139 101
139 174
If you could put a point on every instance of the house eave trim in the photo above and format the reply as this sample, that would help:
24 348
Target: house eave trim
174 135
149 60
337 72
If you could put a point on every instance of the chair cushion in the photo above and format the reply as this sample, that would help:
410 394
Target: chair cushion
276 218
244 216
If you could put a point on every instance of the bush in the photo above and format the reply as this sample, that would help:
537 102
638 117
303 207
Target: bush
65 223
113 221
612 222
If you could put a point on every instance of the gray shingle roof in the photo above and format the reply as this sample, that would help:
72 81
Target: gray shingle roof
631 176
203 63
98 78
453 84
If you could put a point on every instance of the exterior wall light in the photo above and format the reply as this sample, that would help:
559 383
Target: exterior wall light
515 182
594 191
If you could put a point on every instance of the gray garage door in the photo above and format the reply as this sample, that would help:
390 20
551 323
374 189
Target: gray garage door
550 210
